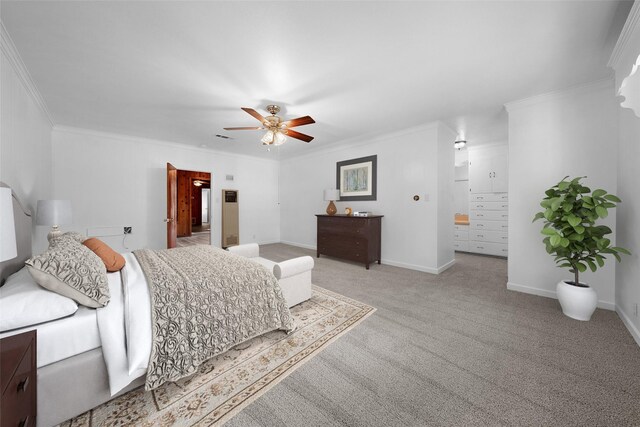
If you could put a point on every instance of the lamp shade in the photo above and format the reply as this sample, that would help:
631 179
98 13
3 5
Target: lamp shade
331 195
8 248
53 212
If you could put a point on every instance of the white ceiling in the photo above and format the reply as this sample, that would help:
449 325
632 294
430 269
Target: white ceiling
180 71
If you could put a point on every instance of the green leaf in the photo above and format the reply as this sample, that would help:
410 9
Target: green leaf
548 214
598 193
613 198
588 199
556 203
615 254
600 260
563 185
584 190
579 229
581 267
555 240
621 250
547 231
573 220
546 203
592 265
564 242
601 211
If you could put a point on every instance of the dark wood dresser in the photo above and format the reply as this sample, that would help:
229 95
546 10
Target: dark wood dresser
18 378
355 238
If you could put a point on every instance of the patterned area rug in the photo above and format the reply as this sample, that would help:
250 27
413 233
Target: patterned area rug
229 382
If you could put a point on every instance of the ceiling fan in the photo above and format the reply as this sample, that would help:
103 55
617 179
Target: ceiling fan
276 127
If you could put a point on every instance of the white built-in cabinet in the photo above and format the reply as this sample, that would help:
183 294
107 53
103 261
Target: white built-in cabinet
489 201
488 170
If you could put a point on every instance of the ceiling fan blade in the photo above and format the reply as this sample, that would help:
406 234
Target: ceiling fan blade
300 121
298 135
245 128
255 114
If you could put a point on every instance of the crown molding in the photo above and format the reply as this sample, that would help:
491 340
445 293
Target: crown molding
139 139
606 83
362 140
632 22
12 55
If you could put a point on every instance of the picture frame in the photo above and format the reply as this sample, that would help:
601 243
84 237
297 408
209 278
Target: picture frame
356 179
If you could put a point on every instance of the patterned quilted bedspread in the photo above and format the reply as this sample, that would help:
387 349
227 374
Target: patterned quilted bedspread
203 302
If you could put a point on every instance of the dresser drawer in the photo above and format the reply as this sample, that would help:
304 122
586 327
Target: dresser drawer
489 215
489 197
489 225
461 246
18 399
458 227
488 236
488 248
461 235
489 206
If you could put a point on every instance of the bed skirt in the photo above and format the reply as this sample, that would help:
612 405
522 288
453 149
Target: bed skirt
72 386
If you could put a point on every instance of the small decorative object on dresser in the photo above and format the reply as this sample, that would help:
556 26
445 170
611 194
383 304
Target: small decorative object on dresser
348 211
330 196
18 379
350 237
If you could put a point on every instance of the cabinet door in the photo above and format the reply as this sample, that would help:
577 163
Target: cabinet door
500 169
480 172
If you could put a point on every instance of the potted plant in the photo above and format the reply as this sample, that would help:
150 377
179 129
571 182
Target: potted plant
572 236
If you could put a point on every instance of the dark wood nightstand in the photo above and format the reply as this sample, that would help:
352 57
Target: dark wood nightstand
18 380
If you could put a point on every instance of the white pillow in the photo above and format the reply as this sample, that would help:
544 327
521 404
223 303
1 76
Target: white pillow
24 303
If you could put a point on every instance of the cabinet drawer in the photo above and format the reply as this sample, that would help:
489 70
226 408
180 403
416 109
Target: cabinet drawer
461 235
490 215
18 403
489 197
488 248
491 206
461 227
488 236
490 225
461 246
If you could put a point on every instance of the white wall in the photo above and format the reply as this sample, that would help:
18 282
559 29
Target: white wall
25 134
408 164
628 214
115 180
573 132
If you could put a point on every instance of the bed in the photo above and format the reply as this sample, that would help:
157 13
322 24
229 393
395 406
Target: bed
88 355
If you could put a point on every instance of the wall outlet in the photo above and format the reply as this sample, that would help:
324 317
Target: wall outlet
128 230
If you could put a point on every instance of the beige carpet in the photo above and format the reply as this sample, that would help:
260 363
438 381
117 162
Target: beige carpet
227 383
457 349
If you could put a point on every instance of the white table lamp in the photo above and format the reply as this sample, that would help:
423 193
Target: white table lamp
8 249
54 213
331 195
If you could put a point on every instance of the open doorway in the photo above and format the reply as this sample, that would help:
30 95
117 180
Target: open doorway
189 208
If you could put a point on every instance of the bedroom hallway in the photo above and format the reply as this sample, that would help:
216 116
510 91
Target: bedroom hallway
455 349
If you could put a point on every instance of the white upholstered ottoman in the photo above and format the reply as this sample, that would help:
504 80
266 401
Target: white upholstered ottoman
294 275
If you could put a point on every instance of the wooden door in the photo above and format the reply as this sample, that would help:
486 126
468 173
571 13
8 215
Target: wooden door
172 205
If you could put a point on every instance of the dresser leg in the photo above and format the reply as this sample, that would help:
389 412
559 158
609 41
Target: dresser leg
367 266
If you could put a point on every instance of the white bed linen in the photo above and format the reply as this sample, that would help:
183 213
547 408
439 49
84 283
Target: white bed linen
137 315
113 324
63 338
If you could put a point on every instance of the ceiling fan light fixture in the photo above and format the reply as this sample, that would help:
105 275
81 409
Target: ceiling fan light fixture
267 139
279 138
460 144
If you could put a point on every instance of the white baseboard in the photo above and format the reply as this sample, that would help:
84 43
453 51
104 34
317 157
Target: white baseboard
551 294
300 245
268 242
633 330
446 266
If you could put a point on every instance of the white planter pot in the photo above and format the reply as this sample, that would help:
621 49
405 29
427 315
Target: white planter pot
577 302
